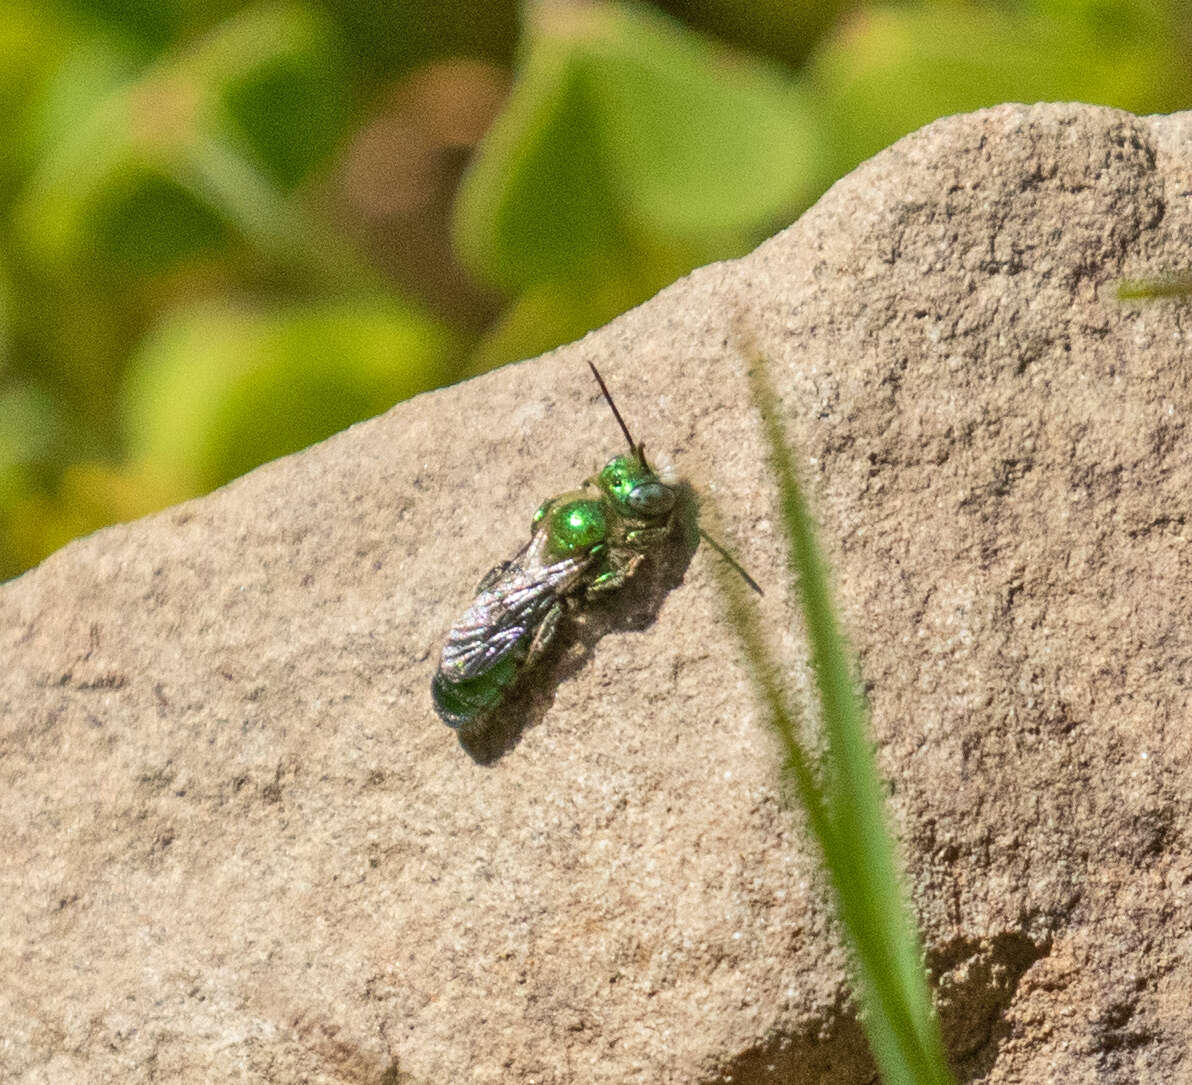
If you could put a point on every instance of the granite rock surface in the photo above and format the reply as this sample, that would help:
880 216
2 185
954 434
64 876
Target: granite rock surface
240 846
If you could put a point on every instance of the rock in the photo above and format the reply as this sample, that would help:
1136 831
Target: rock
241 846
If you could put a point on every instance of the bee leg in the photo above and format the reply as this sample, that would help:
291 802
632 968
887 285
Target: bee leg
544 634
646 538
618 568
619 564
492 576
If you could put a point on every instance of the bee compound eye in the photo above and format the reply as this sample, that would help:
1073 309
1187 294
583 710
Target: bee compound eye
651 499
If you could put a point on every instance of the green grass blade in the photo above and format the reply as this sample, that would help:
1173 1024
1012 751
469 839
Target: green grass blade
844 803
783 718
1168 286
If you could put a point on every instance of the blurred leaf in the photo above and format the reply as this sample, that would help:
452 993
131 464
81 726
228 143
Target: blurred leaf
392 39
89 495
129 190
631 147
278 72
890 70
85 197
31 523
30 425
32 44
149 221
94 69
784 30
6 319
32 528
547 314
148 24
216 391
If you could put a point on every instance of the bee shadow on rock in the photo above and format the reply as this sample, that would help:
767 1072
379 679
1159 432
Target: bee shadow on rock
585 621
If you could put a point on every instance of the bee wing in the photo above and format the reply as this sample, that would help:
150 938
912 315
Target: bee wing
507 610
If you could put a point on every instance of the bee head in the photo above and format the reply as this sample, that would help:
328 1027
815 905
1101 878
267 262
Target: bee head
634 489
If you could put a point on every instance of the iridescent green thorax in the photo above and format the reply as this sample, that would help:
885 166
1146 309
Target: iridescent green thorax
573 526
634 489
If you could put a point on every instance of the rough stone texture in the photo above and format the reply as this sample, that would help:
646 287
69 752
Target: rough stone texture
240 846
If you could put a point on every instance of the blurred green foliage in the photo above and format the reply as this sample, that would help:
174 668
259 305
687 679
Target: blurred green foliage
230 230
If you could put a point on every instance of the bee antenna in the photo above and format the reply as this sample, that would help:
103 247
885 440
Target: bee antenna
731 560
634 447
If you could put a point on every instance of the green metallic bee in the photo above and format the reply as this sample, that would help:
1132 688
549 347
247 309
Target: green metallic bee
582 544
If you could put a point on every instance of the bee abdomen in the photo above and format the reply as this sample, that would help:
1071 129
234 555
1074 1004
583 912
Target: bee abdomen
461 704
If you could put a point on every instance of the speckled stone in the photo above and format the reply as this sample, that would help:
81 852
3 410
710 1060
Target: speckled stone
240 846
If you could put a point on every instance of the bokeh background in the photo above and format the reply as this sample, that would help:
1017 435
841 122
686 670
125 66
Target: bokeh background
228 230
